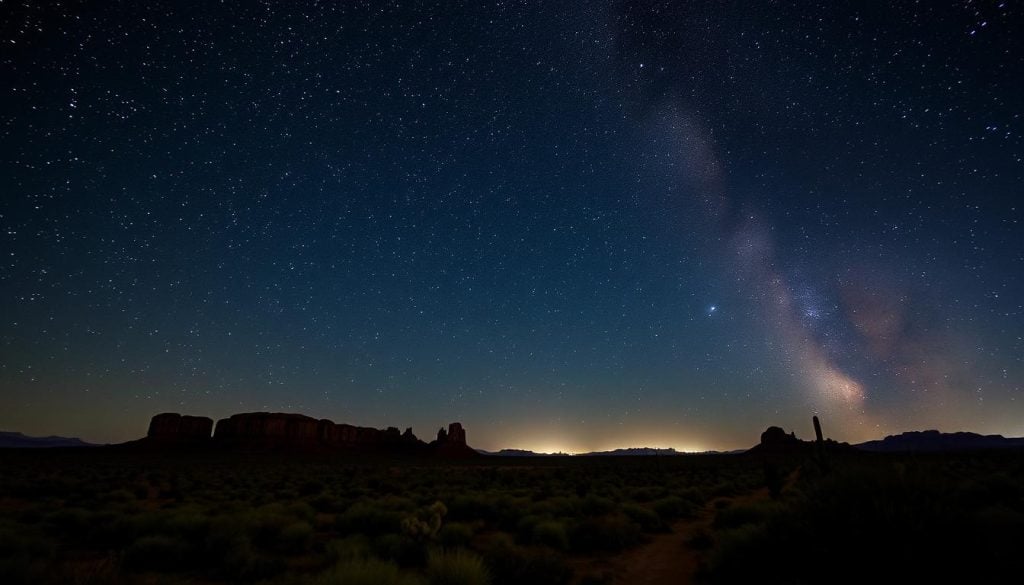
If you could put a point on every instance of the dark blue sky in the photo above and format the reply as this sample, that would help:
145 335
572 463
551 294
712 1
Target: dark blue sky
570 226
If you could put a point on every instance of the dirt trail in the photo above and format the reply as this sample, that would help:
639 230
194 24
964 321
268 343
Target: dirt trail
667 559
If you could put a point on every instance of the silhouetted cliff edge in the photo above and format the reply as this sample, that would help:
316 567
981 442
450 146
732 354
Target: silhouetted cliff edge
279 430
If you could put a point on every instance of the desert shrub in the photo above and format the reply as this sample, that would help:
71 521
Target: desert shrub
296 537
475 507
513 565
348 548
189 522
24 553
229 551
119 496
745 542
70 523
606 534
326 502
647 494
594 505
525 526
455 534
265 526
551 533
311 487
742 514
648 519
365 518
458 567
365 572
157 553
559 506
402 549
674 507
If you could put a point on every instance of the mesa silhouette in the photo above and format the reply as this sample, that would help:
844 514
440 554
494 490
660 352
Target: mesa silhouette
279 430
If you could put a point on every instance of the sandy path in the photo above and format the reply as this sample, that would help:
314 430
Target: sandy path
667 559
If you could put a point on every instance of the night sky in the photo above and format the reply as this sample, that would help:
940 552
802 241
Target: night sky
569 225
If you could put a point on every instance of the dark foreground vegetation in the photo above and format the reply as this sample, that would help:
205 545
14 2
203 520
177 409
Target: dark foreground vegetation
881 518
104 516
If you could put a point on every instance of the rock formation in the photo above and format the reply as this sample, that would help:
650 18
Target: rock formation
777 436
273 430
268 429
174 427
775 441
276 429
452 442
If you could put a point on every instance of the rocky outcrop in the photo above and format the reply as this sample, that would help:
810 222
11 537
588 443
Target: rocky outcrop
776 436
174 427
267 429
273 430
774 440
452 442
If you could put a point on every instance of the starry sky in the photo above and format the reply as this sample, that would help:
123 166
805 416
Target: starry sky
570 225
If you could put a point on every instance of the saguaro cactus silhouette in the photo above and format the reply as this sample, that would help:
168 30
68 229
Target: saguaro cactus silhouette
817 430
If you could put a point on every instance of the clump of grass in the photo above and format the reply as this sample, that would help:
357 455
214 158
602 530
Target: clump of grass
458 567
349 548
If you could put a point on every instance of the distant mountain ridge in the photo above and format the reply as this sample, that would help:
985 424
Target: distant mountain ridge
633 452
12 440
519 453
935 441
627 452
